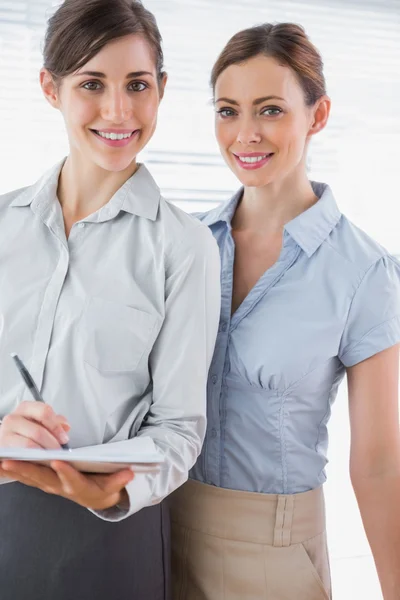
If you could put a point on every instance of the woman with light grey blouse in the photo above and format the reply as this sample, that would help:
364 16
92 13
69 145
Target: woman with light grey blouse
306 298
111 296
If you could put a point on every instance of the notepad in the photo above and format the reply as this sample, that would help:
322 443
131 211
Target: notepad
142 457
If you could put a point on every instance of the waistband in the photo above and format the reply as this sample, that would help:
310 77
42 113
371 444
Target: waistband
272 519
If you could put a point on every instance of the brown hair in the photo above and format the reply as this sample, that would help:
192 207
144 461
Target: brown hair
79 29
288 43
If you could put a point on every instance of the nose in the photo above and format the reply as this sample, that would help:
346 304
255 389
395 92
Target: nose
249 132
117 107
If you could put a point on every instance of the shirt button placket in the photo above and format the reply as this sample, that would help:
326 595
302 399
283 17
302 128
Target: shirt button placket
46 317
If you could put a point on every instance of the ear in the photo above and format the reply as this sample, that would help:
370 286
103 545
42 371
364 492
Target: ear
49 88
162 85
320 115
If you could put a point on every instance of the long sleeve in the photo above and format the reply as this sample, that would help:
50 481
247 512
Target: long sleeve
179 364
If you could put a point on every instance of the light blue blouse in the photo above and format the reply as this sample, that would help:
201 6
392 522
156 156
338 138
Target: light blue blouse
330 301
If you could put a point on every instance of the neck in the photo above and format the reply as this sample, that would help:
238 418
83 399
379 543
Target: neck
267 209
84 187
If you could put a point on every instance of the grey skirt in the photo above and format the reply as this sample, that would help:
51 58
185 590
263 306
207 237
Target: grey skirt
51 548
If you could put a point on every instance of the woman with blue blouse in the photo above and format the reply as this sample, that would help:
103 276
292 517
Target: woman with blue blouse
111 296
306 298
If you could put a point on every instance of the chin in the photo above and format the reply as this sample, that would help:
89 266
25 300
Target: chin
114 165
254 179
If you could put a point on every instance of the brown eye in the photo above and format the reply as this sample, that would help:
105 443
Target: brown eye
138 86
92 86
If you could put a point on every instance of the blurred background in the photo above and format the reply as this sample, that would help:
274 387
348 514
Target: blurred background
358 154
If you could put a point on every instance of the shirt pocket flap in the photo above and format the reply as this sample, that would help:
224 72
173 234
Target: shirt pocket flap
117 336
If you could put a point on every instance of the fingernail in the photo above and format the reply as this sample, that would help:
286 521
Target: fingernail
64 438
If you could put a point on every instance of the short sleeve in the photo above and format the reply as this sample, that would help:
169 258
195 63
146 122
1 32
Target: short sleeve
373 322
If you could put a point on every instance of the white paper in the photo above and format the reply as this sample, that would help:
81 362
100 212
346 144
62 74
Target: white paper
105 458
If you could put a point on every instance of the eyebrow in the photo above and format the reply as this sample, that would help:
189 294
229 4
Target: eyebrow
104 76
255 102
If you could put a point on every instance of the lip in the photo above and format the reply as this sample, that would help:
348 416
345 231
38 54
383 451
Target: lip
116 143
250 154
113 130
252 166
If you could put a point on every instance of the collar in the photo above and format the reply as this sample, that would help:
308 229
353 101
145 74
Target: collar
139 195
142 195
309 229
46 186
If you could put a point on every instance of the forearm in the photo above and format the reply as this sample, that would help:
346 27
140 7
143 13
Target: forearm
180 444
379 502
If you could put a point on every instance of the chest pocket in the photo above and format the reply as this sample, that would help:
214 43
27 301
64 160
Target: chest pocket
116 336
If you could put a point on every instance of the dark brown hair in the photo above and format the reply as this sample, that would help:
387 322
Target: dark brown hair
79 29
288 43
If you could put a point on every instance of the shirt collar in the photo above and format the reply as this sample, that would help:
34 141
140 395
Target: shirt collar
309 229
45 186
223 212
140 195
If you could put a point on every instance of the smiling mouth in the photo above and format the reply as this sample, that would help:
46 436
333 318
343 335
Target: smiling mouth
114 136
251 160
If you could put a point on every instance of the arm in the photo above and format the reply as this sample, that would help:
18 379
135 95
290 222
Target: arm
36 425
375 460
179 364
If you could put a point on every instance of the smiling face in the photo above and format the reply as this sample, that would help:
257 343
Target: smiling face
262 121
110 105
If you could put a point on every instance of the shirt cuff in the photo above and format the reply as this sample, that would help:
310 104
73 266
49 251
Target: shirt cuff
6 480
140 492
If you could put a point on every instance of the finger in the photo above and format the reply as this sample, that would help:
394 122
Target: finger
32 474
4 473
87 489
31 434
72 480
115 482
76 482
38 473
14 440
14 476
44 414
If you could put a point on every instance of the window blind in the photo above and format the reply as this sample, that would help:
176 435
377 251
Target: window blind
357 154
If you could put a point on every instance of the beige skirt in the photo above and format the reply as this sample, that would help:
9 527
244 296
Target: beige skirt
229 545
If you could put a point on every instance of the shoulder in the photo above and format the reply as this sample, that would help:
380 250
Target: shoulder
8 198
182 230
23 196
206 217
358 250
223 211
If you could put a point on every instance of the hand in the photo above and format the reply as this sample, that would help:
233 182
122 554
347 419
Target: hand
97 492
33 425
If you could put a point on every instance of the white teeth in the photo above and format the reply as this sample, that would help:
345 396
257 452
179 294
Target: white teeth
114 136
252 159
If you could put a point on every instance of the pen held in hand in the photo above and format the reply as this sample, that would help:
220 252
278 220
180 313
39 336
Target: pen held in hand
27 377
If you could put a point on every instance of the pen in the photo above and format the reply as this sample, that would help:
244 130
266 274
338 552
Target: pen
27 377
